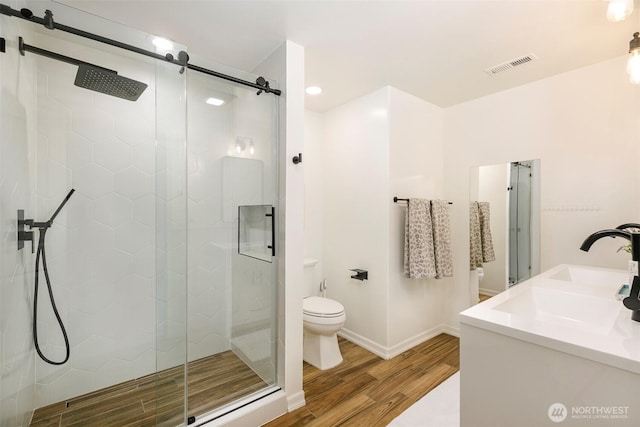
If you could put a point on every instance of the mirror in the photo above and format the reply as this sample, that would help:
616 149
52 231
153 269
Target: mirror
509 195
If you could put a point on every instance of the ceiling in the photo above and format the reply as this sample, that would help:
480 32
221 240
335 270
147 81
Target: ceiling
436 50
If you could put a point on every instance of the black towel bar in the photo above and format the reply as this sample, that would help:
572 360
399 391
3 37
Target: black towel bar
396 199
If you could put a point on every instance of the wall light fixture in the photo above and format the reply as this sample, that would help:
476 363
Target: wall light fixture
633 65
242 143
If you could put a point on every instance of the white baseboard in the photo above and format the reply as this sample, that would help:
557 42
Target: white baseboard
489 292
295 401
365 343
391 352
451 330
414 341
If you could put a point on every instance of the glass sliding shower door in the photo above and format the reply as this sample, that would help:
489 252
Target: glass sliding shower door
116 253
520 199
232 287
166 291
118 258
171 247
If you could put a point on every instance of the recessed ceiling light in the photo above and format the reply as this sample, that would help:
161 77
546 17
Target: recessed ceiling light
162 44
314 90
619 10
215 101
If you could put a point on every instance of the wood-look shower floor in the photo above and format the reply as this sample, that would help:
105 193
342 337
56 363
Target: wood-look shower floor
156 399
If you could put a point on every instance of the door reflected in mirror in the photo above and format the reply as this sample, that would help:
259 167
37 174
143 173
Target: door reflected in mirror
505 198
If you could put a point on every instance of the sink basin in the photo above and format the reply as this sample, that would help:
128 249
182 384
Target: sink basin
569 308
590 275
587 281
578 311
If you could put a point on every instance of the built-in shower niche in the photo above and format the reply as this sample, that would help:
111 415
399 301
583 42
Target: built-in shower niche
256 232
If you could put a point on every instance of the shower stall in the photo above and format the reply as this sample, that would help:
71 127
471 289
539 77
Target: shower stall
162 262
523 231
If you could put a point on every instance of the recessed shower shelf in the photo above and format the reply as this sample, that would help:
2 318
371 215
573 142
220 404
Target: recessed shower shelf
256 255
256 231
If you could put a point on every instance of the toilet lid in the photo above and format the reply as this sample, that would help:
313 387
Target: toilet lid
318 306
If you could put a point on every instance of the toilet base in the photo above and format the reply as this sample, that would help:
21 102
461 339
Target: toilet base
321 351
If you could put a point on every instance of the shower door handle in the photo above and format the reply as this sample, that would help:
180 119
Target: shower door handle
272 246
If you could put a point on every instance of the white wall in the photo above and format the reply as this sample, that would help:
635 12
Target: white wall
583 125
17 191
356 202
416 170
383 144
314 164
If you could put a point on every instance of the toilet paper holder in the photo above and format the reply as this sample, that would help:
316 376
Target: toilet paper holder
360 274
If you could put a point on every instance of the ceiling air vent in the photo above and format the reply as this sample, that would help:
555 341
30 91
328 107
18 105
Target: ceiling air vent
507 65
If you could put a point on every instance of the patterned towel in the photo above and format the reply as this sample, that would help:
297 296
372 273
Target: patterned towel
442 238
480 240
475 241
485 232
419 259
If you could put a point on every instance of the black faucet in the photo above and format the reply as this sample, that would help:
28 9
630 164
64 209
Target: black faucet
628 225
632 302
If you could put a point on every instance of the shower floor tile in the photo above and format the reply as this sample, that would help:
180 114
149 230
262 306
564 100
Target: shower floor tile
156 399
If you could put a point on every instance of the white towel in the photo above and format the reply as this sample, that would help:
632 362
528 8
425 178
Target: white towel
419 258
442 238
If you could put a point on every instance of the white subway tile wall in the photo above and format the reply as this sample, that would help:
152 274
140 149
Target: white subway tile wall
101 249
17 187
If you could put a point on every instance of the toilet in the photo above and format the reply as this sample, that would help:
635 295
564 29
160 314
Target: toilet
322 319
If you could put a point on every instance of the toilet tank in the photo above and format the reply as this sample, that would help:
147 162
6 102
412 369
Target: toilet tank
311 281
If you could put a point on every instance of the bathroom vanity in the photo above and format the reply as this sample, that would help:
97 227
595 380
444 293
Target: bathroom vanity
558 349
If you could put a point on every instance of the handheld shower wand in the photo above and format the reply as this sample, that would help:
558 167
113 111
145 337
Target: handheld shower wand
28 236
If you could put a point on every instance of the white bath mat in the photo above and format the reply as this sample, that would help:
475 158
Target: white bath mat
438 408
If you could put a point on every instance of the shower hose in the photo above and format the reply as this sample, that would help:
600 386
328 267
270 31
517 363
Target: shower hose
43 227
41 255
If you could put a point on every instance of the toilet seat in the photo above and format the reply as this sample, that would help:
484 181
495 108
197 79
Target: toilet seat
318 307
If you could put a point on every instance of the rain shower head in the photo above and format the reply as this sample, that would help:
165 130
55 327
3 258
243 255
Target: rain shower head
91 76
108 82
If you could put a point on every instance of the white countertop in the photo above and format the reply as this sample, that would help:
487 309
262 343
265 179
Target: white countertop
568 308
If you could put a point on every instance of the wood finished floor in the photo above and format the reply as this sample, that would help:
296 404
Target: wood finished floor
484 297
365 390
156 399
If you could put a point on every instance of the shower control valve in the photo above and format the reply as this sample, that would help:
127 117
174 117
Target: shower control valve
23 235
28 236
